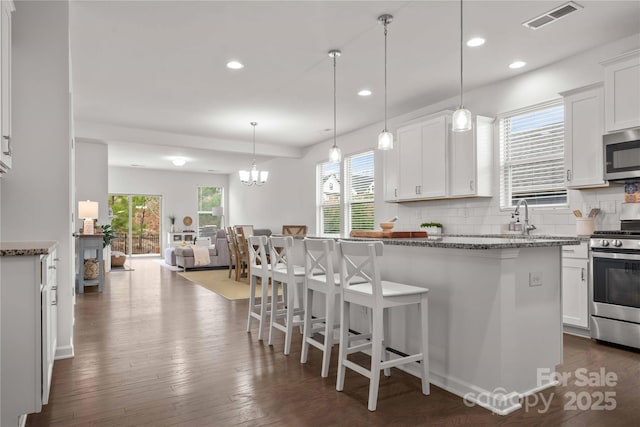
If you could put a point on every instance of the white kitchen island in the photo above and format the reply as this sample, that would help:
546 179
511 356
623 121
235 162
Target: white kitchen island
495 312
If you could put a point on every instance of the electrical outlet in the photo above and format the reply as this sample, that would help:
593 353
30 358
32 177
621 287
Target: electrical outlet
535 278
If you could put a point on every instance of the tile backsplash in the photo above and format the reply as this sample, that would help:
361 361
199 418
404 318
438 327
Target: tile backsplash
483 215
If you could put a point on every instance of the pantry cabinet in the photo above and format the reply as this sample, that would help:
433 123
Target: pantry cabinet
575 289
583 129
29 325
621 87
432 162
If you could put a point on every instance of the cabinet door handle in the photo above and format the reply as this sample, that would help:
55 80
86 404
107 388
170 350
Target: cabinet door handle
52 267
53 288
54 302
395 192
568 174
582 274
8 150
471 185
56 259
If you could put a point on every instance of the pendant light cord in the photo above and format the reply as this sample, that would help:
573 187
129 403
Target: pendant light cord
461 87
385 75
334 100
254 141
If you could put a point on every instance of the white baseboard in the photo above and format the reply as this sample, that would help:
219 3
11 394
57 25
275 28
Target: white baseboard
65 352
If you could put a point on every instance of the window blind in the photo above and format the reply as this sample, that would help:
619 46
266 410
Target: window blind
359 174
328 182
532 156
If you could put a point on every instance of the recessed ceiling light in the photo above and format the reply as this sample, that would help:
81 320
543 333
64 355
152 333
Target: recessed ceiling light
234 65
179 161
136 165
364 92
517 64
475 42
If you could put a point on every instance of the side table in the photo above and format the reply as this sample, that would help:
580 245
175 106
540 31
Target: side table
89 242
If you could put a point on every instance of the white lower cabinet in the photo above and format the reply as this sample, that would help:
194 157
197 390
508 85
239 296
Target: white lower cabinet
575 286
29 324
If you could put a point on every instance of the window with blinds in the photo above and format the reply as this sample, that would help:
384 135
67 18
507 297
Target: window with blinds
532 156
329 184
360 190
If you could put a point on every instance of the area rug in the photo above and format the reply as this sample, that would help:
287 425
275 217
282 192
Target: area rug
219 282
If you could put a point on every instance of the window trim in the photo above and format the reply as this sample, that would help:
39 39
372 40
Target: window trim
498 123
343 205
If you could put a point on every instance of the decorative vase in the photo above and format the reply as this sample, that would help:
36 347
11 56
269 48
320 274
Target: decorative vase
173 228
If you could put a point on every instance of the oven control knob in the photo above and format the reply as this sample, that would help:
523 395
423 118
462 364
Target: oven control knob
617 243
604 243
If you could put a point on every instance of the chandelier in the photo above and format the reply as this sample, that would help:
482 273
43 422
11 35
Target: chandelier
253 176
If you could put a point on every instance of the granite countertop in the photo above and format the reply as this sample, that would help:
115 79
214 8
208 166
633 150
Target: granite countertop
480 241
27 248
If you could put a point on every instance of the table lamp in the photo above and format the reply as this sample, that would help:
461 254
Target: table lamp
88 211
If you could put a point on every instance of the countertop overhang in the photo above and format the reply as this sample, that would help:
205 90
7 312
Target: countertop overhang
480 241
27 248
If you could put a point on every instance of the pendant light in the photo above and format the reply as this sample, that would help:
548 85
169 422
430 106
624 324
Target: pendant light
461 119
385 138
335 155
253 176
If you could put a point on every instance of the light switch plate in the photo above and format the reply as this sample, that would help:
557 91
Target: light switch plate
535 278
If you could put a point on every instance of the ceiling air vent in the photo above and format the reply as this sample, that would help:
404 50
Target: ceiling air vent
552 15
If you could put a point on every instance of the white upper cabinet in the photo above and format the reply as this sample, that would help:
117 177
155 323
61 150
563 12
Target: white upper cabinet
622 91
391 174
422 155
6 8
583 129
471 160
432 162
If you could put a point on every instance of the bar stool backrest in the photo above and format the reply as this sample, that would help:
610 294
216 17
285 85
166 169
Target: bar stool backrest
359 264
318 256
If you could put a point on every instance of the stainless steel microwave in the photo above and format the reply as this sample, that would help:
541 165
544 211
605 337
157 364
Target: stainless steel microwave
622 155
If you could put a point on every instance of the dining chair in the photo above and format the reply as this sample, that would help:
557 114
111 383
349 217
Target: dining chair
360 260
231 246
259 268
320 277
291 277
294 230
243 267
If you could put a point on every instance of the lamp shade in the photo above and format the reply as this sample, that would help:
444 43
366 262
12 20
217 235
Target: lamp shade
385 140
88 209
217 211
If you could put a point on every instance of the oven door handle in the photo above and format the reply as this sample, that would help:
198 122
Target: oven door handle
609 255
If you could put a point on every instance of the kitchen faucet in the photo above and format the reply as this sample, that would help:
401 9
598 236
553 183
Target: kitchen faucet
527 227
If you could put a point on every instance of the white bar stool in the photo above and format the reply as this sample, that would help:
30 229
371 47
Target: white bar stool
320 277
291 277
359 260
259 268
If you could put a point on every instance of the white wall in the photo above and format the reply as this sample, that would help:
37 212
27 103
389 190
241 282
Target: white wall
92 176
36 194
290 192
179 191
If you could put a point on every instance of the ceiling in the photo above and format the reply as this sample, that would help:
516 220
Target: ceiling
149 77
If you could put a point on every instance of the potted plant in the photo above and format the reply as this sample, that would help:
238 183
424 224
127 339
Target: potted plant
107 232
432 228
172 220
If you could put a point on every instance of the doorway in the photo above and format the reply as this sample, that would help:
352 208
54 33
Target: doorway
136 223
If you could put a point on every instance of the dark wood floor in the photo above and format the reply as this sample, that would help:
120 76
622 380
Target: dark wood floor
156 350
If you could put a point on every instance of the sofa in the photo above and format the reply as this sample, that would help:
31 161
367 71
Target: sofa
218 253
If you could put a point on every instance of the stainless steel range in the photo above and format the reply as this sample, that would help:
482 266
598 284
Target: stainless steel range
615 287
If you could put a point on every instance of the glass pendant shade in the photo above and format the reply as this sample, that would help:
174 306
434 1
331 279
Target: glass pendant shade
461 120
335 154
385 140
244 176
